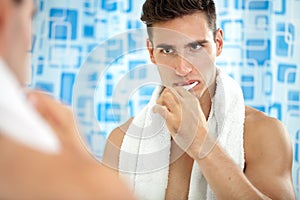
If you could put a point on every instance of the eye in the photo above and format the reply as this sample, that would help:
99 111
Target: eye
167 51
195 47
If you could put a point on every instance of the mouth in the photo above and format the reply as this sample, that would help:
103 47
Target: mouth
188 85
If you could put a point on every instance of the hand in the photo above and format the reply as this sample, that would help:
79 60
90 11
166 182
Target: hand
61 120
184 118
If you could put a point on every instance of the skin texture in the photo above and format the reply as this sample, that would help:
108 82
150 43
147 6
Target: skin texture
15 23
29 174
268 150
71 174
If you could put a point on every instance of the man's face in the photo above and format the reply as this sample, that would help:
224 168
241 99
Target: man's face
16 38
184 50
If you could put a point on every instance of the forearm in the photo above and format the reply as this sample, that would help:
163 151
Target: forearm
226 178
28 174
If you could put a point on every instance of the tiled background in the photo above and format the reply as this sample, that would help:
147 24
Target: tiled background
262 38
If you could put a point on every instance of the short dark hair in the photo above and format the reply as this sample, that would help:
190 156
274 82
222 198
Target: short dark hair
164 10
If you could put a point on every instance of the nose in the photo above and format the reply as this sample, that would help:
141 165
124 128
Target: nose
183 67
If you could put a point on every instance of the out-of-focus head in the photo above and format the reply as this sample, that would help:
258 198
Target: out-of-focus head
15 35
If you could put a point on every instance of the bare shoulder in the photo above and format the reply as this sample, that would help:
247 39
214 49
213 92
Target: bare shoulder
261 128
113 146
268 155
117 135
266 140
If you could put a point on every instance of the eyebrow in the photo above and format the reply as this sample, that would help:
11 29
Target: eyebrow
164 46
168 46
200 42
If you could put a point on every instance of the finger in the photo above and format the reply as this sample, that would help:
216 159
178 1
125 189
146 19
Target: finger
42 107
169 99
182 92
60 118
160 101
161 110
174 93
50 109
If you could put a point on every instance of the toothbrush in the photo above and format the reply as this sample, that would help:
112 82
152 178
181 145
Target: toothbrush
188 87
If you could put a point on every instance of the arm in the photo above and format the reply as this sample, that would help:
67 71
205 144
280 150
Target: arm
29 174
268 171
269 156
71 174
113 145
226 178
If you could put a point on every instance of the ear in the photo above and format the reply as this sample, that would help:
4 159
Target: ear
151 51
219 41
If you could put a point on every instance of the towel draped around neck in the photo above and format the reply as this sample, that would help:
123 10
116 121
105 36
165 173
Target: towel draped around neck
145 151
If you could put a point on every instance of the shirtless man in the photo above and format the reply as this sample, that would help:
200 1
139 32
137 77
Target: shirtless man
267 147
37 162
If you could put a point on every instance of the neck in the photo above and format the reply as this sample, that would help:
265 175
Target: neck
206 99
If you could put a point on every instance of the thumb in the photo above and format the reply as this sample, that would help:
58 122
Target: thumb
59 117
43 106
50 109
161 110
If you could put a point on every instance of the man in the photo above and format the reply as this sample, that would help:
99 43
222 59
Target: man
40 160
260 169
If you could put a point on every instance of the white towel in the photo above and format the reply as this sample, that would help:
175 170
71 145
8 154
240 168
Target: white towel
145 151
19 120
